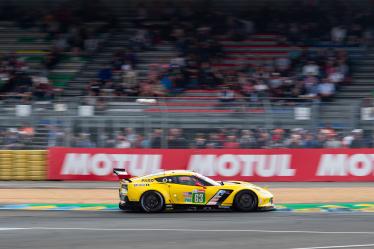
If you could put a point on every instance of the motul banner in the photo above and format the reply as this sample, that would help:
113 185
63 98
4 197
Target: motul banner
219 164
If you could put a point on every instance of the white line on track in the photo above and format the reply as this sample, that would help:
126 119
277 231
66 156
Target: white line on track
330 247
180 230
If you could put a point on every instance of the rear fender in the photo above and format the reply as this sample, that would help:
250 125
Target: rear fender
136 192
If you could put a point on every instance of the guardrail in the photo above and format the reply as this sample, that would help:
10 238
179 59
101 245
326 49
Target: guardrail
23 164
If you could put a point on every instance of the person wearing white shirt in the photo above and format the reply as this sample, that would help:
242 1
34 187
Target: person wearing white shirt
326 90
338 34
311 69
123 143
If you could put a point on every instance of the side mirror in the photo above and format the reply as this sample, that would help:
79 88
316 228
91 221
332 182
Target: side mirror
221 182
198 184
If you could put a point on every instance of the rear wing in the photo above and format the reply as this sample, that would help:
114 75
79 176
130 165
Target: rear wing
122 174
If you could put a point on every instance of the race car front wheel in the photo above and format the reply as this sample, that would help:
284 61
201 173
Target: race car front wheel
152 202
245 201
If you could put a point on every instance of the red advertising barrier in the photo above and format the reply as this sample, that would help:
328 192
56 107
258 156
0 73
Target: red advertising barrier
220 164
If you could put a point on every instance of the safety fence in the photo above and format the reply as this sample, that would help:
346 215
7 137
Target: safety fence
97 122
23 164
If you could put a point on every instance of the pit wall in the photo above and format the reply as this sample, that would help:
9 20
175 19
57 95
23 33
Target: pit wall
23 164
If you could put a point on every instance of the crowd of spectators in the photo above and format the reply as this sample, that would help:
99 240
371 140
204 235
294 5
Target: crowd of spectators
17 81
307 75
64 27
315 22
301 75
64 23
119 78
229 139
197 32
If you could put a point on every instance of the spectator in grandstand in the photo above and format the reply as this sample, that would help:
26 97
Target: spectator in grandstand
141 40
105 74
100 105
129 80
311 69
176 139
276 83
143 141
247 141
358 140
52 58
83 141
26 130
199 141
130 135
347 140
310 142
262 140
94 88
156 140
310 87
214 141
231 143
10 139
261 89
123 142
91 45
326 90
42 89
332 141
56 136
295 141
282 64
277 138
152 89
226 96
109 141
338 34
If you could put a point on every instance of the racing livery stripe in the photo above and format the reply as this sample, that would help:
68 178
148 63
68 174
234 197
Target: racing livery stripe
219 197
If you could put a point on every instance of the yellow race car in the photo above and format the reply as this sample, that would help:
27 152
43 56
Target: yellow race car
186 190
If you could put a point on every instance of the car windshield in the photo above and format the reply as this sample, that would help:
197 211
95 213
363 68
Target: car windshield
208 180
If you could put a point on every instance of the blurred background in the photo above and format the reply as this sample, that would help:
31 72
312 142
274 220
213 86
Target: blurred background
186 74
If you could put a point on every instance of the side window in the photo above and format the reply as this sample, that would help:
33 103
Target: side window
201 182
166 179
191 181
186 180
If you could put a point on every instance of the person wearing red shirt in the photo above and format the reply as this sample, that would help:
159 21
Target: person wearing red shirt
231 143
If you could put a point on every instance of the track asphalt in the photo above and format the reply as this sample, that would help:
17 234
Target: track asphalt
114 184
302 207
182 230
295 226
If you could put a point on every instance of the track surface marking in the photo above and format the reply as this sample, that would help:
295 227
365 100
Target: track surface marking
184 230
328 247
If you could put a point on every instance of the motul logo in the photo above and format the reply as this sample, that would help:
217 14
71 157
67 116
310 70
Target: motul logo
243 165
345 165
103 164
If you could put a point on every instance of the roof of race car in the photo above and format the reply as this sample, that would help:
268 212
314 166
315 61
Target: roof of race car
168 173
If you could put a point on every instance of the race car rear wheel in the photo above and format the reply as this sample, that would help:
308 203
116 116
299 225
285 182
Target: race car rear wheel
121 206
152 202
245 201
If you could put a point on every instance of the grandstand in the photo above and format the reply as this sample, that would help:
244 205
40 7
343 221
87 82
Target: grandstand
144 73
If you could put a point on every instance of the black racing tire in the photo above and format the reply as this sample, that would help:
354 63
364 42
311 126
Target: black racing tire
122 207
245 201
152 202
